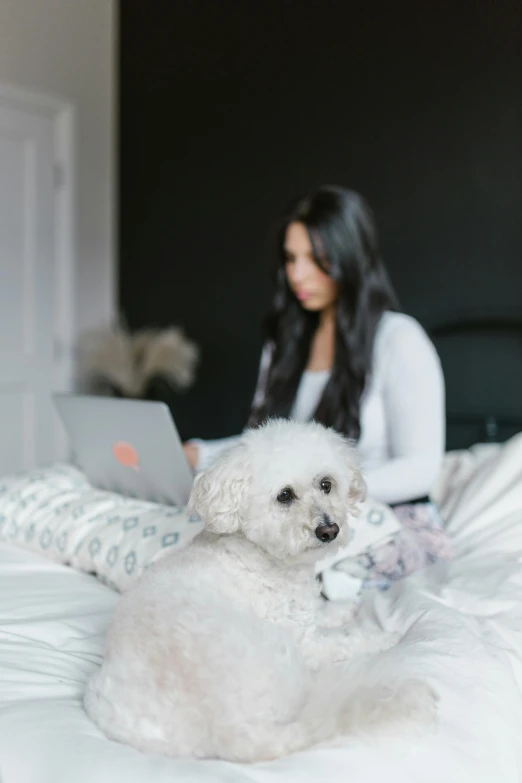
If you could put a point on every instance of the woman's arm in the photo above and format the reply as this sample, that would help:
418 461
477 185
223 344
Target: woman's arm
414 403
204 451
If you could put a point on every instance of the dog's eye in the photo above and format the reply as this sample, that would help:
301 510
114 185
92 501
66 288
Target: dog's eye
326 485
286 495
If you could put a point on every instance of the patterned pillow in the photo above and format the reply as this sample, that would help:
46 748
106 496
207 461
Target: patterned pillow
58 513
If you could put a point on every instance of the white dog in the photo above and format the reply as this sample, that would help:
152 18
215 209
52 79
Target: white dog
226 649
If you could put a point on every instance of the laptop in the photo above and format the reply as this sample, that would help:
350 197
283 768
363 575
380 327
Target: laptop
127 446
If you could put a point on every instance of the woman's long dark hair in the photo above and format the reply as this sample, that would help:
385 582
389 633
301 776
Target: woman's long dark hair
343 235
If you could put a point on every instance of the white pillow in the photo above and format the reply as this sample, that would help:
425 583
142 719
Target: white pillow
58 513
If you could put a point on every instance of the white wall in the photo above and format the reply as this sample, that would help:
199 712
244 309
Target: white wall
67 48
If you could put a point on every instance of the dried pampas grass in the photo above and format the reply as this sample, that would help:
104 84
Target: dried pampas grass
125 363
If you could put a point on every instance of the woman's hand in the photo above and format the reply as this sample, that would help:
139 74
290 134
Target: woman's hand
192 454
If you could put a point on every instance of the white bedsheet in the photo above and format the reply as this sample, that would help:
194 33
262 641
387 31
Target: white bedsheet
465 636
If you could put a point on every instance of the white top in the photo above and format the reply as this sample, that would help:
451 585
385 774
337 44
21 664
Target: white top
402 412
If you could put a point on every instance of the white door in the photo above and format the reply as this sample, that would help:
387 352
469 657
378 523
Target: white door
28 431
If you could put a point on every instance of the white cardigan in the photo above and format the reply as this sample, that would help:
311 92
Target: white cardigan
402 412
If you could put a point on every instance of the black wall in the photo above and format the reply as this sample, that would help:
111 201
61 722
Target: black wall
229 111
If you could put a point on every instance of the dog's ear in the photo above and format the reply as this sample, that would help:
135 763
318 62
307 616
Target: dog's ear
357 485
357 491
219 493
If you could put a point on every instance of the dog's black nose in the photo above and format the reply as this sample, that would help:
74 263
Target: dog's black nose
327 532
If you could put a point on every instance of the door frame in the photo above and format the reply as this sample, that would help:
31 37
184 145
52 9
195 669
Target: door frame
65 335
65 261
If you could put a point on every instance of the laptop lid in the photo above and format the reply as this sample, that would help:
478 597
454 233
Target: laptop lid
127 446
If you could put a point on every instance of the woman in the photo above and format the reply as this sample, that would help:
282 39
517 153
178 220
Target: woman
338 351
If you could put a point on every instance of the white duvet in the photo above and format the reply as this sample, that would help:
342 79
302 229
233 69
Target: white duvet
463 632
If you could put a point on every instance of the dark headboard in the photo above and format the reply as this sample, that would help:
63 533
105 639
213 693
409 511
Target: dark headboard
481 354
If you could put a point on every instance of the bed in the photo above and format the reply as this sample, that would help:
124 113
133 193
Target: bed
462 626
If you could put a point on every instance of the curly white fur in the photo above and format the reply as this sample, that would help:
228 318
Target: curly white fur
226 649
